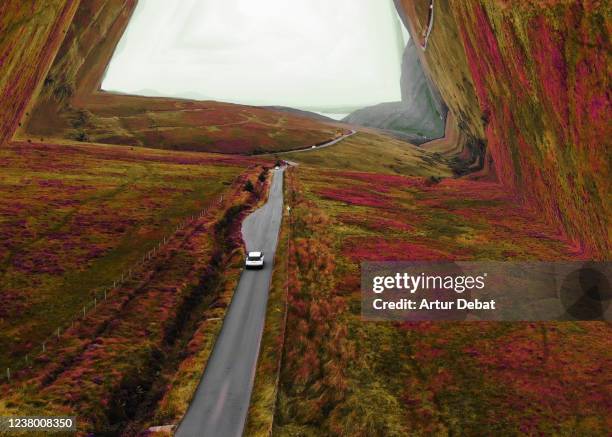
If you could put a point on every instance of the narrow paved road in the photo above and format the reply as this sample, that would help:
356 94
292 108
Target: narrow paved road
221 402
320 146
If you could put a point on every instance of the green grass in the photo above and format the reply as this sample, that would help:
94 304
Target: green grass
76 218
374 153
139 355
427 378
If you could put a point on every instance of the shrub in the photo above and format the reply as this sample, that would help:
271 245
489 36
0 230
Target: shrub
63 91
433 180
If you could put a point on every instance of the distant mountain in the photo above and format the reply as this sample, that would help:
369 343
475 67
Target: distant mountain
419 117
307 114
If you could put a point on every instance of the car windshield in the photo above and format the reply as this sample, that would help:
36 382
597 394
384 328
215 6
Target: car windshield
255 256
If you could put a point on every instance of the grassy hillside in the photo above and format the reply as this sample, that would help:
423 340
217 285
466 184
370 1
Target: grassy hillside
74 218
531 83
30 33
343 376
375 153
542 72
71 106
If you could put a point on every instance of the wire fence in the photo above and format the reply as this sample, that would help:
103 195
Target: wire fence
101 294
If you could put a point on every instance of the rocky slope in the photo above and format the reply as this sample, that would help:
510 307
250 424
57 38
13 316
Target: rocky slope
29 37
418 117
529 81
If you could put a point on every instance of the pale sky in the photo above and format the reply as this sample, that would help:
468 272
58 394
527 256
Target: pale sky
299 53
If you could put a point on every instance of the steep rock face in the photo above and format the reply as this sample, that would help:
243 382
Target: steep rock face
531 79
444 62
29 37
418 117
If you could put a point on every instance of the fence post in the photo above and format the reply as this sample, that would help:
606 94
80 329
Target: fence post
44 347
58 333
83 311
8 373
95 302
105 294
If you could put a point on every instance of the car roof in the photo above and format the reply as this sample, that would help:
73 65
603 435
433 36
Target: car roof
255 253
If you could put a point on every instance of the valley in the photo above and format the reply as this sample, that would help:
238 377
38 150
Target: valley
122 216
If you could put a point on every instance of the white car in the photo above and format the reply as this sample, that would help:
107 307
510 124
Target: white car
254 260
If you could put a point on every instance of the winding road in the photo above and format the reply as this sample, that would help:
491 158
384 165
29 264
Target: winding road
320 146
220 405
